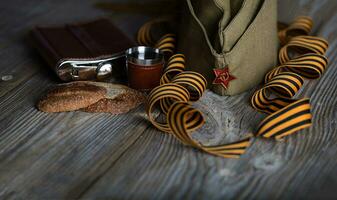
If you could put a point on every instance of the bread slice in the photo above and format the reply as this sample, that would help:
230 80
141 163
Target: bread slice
91 97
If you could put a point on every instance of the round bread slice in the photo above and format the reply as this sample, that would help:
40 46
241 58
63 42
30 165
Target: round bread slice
71 96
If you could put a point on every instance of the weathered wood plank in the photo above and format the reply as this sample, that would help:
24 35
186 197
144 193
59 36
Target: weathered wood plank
82 155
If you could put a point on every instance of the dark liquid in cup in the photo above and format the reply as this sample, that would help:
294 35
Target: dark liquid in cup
144 66
144 78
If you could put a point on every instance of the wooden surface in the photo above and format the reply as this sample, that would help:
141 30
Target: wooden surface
83 155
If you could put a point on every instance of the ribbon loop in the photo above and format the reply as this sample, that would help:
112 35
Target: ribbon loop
144 34
309 66
194 82
176 65
302 56
166 43
300 45
171 91
286 121
302 25
178 88
183 119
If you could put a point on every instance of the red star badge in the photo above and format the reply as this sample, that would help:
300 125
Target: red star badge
222 77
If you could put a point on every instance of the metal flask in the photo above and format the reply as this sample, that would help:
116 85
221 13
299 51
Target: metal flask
101 67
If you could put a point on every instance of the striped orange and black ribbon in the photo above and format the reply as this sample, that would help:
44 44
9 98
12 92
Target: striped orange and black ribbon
302 56
301 26
166 43
177 89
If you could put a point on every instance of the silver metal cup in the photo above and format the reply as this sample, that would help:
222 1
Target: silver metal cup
144 67
145 56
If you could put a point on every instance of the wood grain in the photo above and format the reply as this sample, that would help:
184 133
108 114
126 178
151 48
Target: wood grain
100 156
